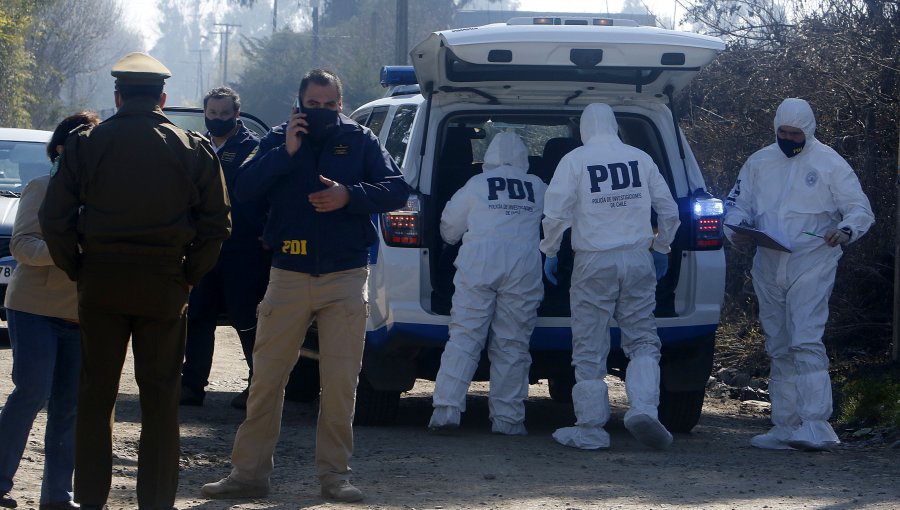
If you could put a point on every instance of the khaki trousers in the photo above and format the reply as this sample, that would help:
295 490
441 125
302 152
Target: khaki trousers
337 301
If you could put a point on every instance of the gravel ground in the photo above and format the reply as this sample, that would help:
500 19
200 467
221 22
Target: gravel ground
402 467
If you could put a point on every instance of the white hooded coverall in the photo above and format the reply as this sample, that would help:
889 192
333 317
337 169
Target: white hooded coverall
497 214
814 191
604 191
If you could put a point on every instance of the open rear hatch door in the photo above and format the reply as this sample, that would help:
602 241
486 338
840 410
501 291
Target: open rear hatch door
565 64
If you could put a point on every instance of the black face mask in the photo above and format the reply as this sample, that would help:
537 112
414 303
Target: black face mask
790 148
219 127
321 123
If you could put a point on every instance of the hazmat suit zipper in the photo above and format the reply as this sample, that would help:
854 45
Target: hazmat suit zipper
784 257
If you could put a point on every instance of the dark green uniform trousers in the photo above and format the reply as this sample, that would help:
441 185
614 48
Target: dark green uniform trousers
109 296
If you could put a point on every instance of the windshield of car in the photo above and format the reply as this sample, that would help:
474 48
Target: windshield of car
21 162
192 119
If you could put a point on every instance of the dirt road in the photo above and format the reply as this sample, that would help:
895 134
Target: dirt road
402 467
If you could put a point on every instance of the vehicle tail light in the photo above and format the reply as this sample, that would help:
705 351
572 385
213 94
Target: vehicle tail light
403 227
706 221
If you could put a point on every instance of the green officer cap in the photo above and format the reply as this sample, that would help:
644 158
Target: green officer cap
140 69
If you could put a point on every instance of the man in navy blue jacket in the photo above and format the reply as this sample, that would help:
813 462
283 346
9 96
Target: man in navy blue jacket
238 281
323 176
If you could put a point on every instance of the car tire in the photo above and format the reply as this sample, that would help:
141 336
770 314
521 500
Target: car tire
680 411
375 407
303 384
560 387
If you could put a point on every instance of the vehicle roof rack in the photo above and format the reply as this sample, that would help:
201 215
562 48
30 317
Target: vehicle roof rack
572 20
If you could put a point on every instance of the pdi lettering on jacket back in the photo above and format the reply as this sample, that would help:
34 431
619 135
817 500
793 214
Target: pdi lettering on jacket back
615 177
516 189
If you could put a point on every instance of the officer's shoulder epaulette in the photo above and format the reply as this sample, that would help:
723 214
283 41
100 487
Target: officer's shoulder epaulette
197 134
81 129
200 137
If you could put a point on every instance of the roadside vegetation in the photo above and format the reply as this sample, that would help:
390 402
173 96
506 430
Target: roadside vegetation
843 57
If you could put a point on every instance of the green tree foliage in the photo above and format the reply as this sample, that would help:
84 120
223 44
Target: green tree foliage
355 48
73 44
51 55
181 48
15 62
337 11
843 58
269 84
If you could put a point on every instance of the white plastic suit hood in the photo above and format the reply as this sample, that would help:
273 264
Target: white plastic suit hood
796 113
598 122
506 149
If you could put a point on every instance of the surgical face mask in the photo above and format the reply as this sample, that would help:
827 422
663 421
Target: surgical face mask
320 123
219 127
790 148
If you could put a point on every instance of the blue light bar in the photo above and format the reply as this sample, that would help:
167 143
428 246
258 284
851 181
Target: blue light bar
398 75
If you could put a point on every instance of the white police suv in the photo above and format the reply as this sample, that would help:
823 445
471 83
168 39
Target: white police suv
534 76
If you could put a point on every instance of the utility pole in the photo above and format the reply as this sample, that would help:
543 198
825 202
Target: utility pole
400 43
274 16
209 38
200 88
226 33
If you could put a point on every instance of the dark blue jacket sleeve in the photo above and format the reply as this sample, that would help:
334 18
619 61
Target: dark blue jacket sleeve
383 188
258 175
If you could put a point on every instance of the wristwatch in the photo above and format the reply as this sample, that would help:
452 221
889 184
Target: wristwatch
847 231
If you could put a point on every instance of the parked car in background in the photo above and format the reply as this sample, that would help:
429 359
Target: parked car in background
23 156
191 118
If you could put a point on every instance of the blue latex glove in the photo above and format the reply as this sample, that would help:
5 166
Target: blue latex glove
550 269
661 263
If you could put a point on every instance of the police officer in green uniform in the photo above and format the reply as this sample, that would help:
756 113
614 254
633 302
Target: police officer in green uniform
135 214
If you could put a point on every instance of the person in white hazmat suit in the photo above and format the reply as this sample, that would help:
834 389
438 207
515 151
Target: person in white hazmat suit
604 190
497 214
801 192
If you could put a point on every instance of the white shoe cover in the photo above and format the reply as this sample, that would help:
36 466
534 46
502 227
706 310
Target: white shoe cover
813 436
444 417
770 441
585 438
509 429
591 401
642 386
649 431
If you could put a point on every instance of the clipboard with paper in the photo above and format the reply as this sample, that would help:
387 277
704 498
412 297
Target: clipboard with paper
761 238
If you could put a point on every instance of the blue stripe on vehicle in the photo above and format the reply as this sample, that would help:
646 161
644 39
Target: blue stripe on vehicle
543 338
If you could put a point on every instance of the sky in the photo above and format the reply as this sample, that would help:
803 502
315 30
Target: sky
137 10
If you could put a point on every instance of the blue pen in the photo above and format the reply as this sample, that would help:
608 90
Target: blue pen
813 234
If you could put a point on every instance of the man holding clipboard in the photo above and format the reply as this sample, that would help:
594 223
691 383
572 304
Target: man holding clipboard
802 193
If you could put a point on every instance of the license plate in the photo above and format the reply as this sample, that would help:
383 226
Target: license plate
6 271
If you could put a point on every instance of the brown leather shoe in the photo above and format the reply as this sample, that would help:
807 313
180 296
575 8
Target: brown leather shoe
229 488
191 397
240 401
